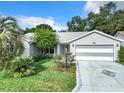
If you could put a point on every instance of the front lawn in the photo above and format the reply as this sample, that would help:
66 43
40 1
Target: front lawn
47 80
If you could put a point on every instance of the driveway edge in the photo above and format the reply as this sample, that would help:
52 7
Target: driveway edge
78 79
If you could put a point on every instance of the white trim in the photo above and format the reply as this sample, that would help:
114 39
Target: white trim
95 31
116 34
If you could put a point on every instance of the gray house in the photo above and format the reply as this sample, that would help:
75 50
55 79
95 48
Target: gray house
89 46
120 35
86 46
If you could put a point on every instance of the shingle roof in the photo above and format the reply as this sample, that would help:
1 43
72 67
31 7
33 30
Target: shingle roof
65 37
28 37
99 32
121 32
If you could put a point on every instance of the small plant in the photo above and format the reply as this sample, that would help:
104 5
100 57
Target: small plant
22 66
70 58
57 57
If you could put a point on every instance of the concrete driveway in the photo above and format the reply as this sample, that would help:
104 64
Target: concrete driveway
99 76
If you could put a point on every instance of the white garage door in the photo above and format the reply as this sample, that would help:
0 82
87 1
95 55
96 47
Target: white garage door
94 53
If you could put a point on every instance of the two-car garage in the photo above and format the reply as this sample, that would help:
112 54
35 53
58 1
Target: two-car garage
95 52
95 46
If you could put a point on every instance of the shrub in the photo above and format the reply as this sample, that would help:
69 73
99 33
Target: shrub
57 57
40 57
70 58
22 66
121 55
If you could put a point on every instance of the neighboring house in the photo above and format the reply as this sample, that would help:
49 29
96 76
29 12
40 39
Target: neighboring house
86 46
89 46
120 35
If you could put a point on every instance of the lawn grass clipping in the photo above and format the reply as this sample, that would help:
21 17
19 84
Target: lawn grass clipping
46 80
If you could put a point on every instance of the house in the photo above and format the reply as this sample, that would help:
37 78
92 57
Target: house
120 35
30 48
86 46
89 46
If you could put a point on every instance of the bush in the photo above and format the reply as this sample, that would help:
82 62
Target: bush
60 61
40 57
121 55
22 66
70 58
57 57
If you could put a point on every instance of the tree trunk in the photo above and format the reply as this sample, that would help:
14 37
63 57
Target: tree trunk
49 50
43 51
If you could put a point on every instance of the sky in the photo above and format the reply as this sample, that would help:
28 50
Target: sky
55 13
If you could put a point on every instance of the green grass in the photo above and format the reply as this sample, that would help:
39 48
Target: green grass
46 80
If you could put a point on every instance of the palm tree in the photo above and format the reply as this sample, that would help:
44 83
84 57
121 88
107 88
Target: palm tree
10 44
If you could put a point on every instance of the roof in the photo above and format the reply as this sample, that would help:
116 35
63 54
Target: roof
28 37
68 37
64 37
120 32
95 31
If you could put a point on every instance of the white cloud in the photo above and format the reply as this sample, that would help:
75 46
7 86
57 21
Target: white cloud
94 6
30 21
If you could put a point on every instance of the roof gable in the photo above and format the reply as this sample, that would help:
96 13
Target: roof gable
98 32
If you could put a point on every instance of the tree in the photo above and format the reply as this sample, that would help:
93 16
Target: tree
108 10
76 24
119 20
10 44
45 39
40 26
44 26
104 20
109 20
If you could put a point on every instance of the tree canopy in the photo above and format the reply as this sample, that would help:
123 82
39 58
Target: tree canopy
10 44
45 39
40 26
108 20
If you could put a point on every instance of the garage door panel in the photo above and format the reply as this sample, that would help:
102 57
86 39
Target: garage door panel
92 46
103 53
89 50
92 58
94 54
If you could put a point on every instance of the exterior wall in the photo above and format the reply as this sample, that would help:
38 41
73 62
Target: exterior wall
96 39
30 49
57 50
60 49
120 36
34 50
26 48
